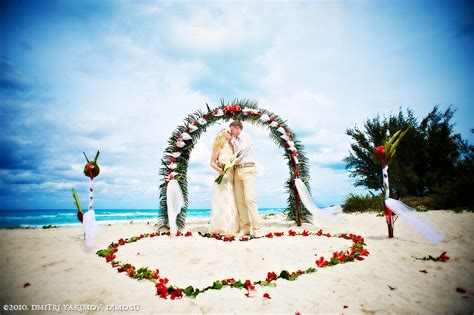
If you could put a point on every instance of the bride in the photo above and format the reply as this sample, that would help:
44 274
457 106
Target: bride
224 215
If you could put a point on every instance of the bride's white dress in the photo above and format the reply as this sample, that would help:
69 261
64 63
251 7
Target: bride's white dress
224 215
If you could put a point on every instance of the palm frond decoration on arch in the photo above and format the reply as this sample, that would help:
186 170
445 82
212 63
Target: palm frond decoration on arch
174 164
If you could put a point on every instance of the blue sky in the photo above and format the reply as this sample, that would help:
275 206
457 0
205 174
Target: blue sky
119 76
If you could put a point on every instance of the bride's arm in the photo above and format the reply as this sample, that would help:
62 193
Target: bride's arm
214 165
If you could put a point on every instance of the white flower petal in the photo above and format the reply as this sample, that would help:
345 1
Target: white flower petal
192 128
218 113
185 136
264 118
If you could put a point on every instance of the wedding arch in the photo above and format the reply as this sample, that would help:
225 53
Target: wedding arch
174 164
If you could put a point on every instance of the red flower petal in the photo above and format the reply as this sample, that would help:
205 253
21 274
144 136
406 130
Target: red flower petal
267 296
271 276
460 290
443 257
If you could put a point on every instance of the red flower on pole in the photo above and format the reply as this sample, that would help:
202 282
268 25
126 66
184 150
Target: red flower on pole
380 154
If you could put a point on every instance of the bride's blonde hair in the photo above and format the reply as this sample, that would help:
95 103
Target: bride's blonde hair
220 140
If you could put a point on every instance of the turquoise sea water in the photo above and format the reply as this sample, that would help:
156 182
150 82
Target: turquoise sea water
39 218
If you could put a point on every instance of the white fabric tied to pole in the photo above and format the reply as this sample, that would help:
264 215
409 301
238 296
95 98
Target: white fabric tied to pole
409 215
307 200
91 230
174 203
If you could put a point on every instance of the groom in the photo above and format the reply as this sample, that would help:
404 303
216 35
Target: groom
244 180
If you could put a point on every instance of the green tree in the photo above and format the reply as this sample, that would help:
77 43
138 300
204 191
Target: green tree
431 160
403 178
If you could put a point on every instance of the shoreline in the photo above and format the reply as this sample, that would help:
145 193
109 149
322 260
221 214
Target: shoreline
194 219
101 221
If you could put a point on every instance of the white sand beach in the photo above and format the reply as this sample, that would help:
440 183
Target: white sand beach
60 271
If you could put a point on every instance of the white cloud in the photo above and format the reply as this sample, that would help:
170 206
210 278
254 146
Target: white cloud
217 28
122 84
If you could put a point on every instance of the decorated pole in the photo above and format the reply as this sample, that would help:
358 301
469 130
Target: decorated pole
295 188
388 213
383 155
91 170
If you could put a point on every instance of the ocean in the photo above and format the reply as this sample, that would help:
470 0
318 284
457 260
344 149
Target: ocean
68 217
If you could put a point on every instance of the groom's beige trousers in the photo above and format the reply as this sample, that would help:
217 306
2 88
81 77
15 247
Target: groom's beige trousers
244 185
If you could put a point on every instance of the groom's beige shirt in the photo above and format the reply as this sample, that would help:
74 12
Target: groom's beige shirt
244 143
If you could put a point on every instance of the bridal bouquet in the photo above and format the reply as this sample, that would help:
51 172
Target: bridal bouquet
230 163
